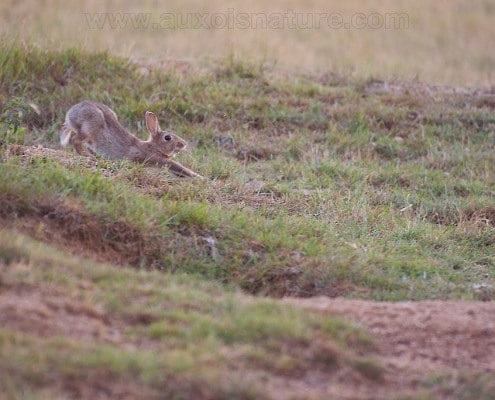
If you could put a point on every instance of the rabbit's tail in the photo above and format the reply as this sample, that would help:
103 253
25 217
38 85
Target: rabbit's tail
65 135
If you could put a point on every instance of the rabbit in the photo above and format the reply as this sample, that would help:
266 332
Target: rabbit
93 128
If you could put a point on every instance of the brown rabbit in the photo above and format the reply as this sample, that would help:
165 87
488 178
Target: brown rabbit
94 128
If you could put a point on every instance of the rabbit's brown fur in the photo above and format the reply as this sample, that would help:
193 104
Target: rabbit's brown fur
93 128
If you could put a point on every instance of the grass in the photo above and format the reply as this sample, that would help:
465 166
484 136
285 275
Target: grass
317 184
149 332
338 189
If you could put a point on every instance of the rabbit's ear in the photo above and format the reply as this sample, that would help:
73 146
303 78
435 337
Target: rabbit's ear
152 123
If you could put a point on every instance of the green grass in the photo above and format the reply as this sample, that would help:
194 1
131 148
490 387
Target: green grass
316 185
169 334
380 195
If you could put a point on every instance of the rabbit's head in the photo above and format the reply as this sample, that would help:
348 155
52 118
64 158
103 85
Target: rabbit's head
164 143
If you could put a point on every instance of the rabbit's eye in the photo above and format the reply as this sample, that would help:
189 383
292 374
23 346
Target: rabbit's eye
167 137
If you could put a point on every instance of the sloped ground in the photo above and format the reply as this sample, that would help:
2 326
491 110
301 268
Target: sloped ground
70 327
317 186
440 349
434 349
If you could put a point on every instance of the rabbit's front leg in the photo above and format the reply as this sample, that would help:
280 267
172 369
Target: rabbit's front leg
180 170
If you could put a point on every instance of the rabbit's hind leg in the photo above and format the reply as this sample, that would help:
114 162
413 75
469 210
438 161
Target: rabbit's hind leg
69 136
82 145
65 135
78 145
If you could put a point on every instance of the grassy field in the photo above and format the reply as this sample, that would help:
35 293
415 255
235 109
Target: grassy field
446 42
317 184
150 334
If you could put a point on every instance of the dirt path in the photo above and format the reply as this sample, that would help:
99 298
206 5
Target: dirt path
418 341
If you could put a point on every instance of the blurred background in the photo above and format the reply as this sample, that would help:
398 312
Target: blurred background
446 42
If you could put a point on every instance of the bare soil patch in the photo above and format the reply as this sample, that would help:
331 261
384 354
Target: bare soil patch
82 234
417 341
